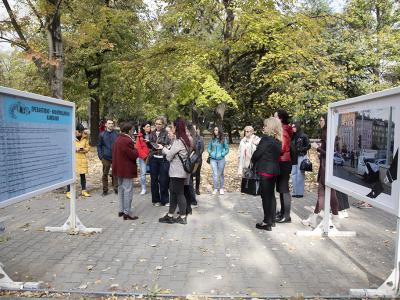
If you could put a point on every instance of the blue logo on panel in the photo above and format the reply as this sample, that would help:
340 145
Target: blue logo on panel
18 108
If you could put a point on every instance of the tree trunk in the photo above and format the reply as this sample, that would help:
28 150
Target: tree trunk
225 70
93 81
56 53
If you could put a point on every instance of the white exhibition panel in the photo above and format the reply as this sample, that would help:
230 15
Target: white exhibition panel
367 116
37 148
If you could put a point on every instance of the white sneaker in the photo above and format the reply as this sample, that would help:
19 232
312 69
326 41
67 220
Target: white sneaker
157 204
143 192
343 214
167 204
221 191
214 192
310 221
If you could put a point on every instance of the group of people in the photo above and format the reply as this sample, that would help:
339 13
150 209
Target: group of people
162 151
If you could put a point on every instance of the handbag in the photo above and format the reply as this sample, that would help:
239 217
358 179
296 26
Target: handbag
306 165
250 182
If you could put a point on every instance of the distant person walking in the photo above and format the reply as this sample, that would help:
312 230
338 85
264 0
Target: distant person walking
285 166
266 161
300 145
142 147
104 151
81 149
218 148
159 165
199 149
247 147
124 168
175 154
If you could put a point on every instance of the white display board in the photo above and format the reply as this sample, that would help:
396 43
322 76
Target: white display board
37 148
363 140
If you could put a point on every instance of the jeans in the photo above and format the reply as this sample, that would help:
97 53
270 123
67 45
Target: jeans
217 167
298 177
143 169
83 183
125 194
159 173
267 189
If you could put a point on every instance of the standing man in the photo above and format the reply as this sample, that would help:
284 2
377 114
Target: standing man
159 165
104 151
125 169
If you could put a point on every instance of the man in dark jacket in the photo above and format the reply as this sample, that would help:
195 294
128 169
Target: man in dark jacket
159 165
124 168
104 151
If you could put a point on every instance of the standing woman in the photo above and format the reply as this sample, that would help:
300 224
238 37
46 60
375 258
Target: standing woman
199 147
247 147
143 152
81 148
177 173
266 160
312 220
218 148
300 146
285 166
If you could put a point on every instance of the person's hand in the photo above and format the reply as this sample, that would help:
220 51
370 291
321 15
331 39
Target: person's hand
160 146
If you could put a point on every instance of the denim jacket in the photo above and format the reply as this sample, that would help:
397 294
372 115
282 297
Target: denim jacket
217 150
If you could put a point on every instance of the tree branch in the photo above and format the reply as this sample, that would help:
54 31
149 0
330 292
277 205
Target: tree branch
36 14
15 24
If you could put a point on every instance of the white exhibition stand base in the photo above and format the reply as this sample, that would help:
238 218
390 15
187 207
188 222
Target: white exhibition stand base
73 225
388 289
7 283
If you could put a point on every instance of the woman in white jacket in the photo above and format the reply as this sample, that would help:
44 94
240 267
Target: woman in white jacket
247 147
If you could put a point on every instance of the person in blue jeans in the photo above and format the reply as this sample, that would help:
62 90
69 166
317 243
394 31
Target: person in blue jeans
218 148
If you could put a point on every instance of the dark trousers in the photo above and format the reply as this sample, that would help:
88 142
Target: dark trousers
106 169
196 175
267 188
190 196
83 183
176 188
159 168
343 201
321 200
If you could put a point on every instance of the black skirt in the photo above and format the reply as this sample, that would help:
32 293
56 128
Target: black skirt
282 182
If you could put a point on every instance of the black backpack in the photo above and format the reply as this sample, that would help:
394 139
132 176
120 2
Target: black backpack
190 163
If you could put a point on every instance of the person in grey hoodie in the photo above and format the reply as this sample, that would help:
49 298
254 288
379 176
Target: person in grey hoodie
176 154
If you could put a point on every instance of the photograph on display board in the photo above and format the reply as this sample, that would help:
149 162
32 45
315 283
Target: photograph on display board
364 149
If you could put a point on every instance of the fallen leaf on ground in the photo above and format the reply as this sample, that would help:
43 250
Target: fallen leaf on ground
83 286
218 277
90 268
159 268
114 286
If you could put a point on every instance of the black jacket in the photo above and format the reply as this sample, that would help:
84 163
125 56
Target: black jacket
299 146
266 156
105 143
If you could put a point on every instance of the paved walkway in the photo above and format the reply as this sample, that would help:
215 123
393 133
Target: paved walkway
219 252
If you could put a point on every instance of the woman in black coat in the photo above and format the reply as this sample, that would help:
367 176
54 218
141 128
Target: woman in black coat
266 161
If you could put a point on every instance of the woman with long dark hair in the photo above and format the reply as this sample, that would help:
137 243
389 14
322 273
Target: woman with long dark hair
285 166
312 220
143 150
175 154
218 148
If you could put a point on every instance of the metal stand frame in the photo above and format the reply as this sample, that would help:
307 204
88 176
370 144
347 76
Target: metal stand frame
326 227
73 225
390 288
7 283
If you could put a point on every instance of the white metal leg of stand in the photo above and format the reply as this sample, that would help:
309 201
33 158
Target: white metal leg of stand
7 283
326 227
73 225
390 288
